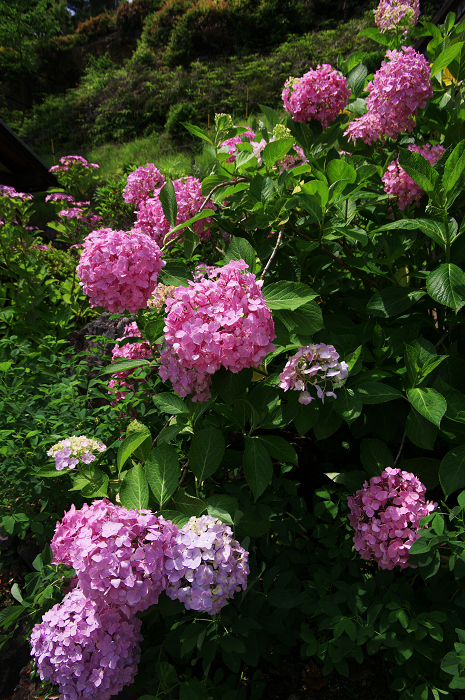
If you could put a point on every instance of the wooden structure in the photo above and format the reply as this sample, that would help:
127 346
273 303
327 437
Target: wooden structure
20 167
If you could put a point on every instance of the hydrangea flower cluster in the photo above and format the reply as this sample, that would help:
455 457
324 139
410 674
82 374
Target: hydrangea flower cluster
11 193
142 183
58 197
152 221
399 88
89 650
75 449
124 559
130 351
234 141
397 14
118 554
319 94
400 185
220 320
206 566
119 269
68 161
386 514
161 293
314 365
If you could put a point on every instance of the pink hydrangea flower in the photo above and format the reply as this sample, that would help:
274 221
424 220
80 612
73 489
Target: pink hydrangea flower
59 197
68 161
119 554
386 514
11 193
205 565
399 88
130 351
397 14
119 269
221 320
142 183
233 143
313 365
89 650
319 94
400 185
75 449
152 221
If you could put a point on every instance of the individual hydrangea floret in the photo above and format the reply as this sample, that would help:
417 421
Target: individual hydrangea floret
119 269
220 320
142 183
88 650
399 88
129 351
76 449
400 185
394 15
386 515
319 94
151 218
314 365
232 143
206 566
119 554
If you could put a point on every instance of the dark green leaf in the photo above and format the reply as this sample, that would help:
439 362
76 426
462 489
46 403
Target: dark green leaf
420 431
429 404
375 456
206 452
170 403
167 197
163 472
419 170
187 504
175 274
392 301
287 295
304 321
454 167
229 385
240 249
197 131
128 446
275 150
356 79
452 470
376 392
446 285
446 57
258 469
124 366
278 448
134 492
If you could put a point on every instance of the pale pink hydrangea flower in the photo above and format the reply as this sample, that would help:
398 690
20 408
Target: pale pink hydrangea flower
142 183
221 320
119 554
397 14
313 365
152 221
319 94
234 141
68 453
119 269
130 351
89 650
205 565
386 515
399 88
400 185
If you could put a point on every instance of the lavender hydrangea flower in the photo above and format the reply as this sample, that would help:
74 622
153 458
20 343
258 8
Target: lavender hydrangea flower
89 650
206 566
75 449
316 365
386 514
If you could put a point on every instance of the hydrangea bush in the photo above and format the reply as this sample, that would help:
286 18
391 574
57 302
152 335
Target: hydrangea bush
317 347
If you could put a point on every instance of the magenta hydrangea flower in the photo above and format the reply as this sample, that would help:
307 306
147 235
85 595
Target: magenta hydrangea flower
400 185
67 161
399 88
397 14
220 320
130 351
313 365
119 269
188 190
205 565
232 143
119 554
88 650
75 449
142 183
11 193
59 197
319 94
386 514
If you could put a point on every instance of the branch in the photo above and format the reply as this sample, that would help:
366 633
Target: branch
280 235
218 187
